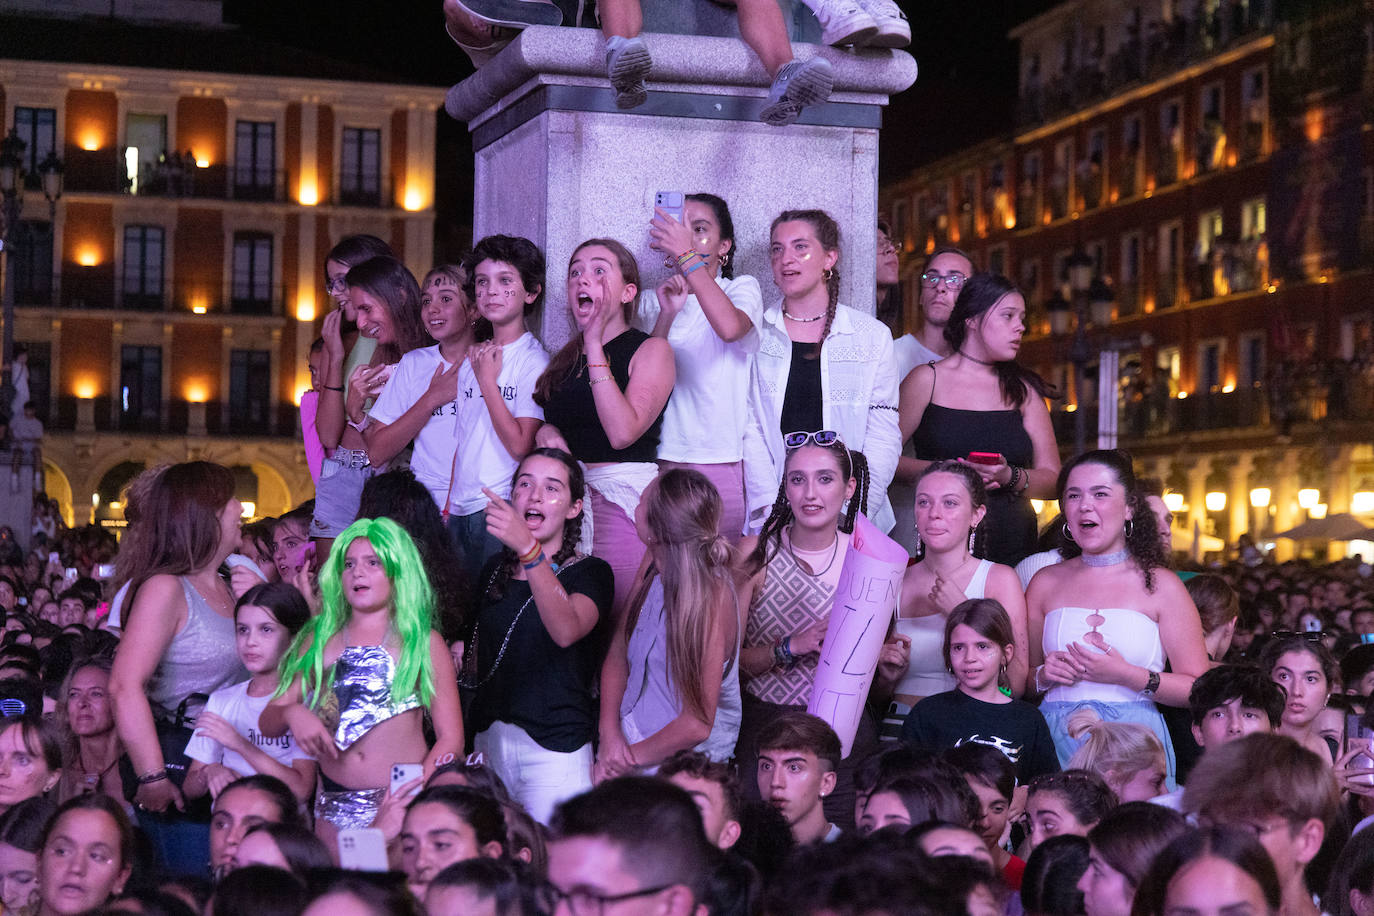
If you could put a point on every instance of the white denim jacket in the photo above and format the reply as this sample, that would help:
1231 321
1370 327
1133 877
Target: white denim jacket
859 393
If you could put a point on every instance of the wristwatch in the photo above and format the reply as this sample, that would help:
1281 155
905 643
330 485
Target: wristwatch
1151 684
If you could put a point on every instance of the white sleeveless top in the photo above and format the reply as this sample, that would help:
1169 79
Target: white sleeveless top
926 674
1128 631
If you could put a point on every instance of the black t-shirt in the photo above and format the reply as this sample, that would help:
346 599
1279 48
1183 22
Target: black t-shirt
572 406
539 686
801 402
1017 729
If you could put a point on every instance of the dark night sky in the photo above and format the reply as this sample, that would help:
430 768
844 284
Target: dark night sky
965 91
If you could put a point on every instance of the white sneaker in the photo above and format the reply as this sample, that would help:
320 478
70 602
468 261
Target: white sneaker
844 22
894 31
798 84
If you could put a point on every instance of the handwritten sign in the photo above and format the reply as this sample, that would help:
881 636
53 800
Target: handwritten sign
865 602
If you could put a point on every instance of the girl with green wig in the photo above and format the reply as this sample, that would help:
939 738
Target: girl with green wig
355 679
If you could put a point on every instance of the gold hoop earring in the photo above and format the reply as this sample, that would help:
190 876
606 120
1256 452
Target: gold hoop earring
828 274
725 259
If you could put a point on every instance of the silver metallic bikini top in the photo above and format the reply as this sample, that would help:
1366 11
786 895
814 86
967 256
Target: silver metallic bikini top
362 689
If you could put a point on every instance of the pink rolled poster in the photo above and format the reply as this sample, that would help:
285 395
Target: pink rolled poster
865 602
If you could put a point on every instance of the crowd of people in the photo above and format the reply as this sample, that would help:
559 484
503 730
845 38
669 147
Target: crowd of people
547 637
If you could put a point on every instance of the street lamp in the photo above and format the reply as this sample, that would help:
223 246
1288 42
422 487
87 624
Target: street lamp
1080 270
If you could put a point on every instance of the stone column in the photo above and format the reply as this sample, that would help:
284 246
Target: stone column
1238 495
557 162
1197 494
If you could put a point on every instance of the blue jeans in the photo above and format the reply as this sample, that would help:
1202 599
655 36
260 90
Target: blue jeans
469 533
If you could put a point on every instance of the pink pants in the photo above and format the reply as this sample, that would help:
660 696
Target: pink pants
728 479
615 540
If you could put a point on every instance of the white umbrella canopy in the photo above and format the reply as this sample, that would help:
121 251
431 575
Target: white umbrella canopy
1339 527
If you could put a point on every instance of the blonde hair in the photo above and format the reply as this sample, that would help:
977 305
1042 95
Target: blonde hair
683 512
1116 751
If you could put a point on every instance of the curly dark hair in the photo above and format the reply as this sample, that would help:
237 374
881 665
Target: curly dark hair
1142 537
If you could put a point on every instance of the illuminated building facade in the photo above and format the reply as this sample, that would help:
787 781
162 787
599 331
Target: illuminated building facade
169 305
1209 169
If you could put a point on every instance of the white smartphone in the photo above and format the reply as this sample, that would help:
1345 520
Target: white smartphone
405 773
673 203
362 849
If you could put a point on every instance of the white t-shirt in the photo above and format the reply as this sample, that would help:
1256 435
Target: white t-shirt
441 457
437 440
911 353
242 711
705 418
482 461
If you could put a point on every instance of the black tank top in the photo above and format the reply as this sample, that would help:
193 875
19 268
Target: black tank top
572 408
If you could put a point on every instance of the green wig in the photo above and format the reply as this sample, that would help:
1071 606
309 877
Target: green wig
412 616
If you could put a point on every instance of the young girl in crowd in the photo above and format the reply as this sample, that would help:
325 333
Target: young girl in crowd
447 824
533 657
709 316
979 399
1308 674
992 777
1127 756
92 749
387 301
978 646
242 805
820 365
355 678
1122 847
88 853
791 570
228 743
21 840
950 507
1062 803
1130 613
420 401
603 396
660 692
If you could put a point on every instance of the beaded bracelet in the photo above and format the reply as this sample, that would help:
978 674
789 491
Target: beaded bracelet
597 381
598 365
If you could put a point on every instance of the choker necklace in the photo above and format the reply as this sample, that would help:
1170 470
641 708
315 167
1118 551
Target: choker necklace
1106 559
801 320
974 359
834 552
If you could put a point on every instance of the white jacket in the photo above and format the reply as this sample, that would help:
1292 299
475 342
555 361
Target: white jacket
859 392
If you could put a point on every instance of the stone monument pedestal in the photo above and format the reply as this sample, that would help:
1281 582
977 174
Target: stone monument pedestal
558 163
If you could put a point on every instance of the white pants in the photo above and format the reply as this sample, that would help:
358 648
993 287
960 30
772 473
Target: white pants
537 777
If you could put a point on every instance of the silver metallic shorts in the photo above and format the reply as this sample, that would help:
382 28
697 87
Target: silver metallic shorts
350 807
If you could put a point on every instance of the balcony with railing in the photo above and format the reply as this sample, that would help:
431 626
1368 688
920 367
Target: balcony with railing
176 178
1165 48
95 288
1292 397
176 418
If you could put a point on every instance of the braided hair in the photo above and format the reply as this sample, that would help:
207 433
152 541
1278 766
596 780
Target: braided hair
572 528
853 465
727 229
828 234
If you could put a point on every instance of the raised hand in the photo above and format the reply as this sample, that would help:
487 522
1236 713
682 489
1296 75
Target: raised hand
669 236
507 525
486 362
672 295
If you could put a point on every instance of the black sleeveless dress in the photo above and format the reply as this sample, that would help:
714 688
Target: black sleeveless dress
1008 531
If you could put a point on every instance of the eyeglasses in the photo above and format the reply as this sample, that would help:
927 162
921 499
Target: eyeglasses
886 248
589 903
823 438
953 282
335 285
